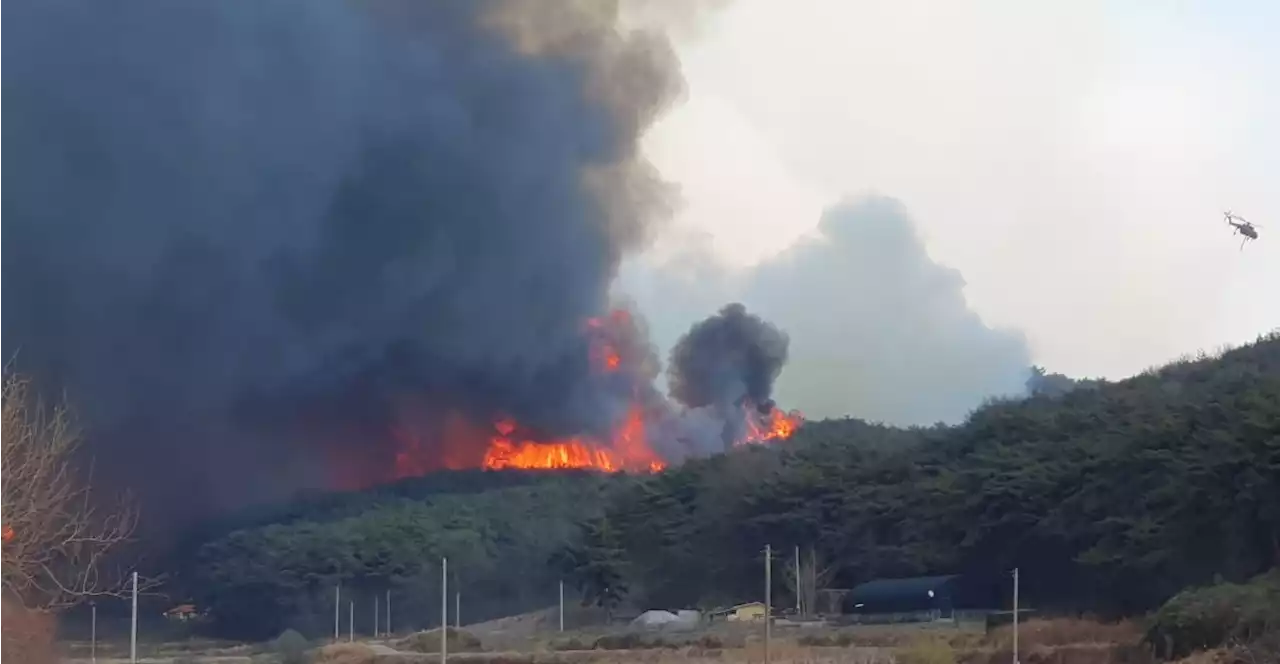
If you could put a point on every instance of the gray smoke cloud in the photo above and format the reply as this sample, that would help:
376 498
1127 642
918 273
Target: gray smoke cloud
878 329
237 229
881 330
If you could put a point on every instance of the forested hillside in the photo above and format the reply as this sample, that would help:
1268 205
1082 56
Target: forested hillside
1109 499
258 578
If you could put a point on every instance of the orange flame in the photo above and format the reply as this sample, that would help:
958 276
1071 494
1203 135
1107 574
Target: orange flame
773 426
625 449
629 450
604 355
8 532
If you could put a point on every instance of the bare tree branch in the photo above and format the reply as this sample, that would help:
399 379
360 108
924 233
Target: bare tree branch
55 540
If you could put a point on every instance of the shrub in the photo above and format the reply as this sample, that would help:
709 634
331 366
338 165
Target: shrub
291 647
828 639
346 653
1051 632
927 652
571 643
651 641
709 642
624 641
1217 615
28 635
429 641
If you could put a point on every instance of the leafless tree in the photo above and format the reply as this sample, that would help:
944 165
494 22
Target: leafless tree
814 575
56 536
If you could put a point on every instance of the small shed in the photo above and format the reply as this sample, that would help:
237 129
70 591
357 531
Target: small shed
740 612
920 593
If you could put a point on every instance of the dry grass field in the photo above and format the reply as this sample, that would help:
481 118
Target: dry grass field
1058 641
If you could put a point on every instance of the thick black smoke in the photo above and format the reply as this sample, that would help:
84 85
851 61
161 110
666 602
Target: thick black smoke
230 221
727 361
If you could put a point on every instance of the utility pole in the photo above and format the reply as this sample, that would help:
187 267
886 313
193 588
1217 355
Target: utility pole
768 598
351 621
133 624
444 610
799 585
813 580
375 617
457 610
337 609
1015 615
93 632
562 605
388 630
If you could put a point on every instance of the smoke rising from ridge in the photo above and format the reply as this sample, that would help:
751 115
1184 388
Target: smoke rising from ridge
727 361
878 329
227 219
881 330
730 356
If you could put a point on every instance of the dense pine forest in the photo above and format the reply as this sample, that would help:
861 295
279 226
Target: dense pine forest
1111 497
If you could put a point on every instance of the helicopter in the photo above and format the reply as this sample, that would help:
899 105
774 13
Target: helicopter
1242 227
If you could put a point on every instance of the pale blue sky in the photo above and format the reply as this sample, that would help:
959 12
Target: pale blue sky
1070 159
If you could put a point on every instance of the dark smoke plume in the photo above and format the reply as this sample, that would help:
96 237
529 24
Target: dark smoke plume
242 234
727 361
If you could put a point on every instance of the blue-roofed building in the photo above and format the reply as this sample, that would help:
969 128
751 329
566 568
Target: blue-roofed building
933 594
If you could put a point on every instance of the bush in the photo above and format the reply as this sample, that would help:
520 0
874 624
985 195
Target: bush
927 652
1049 632
291 647
429 641
828 639
624 641
1216 616
709 642
571 643
651 641
346 653
27 635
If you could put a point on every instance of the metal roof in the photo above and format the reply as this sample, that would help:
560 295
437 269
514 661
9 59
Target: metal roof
896 589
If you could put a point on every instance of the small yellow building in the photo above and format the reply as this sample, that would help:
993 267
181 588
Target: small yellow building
742 612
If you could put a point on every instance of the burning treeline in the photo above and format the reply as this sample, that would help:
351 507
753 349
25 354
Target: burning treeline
722 373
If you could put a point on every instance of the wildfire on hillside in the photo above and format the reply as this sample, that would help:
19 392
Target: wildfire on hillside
772 426
628 448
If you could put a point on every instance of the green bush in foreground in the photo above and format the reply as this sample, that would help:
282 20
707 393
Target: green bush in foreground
1219 615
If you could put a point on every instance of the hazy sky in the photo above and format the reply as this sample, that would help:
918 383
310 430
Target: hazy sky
1071 160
